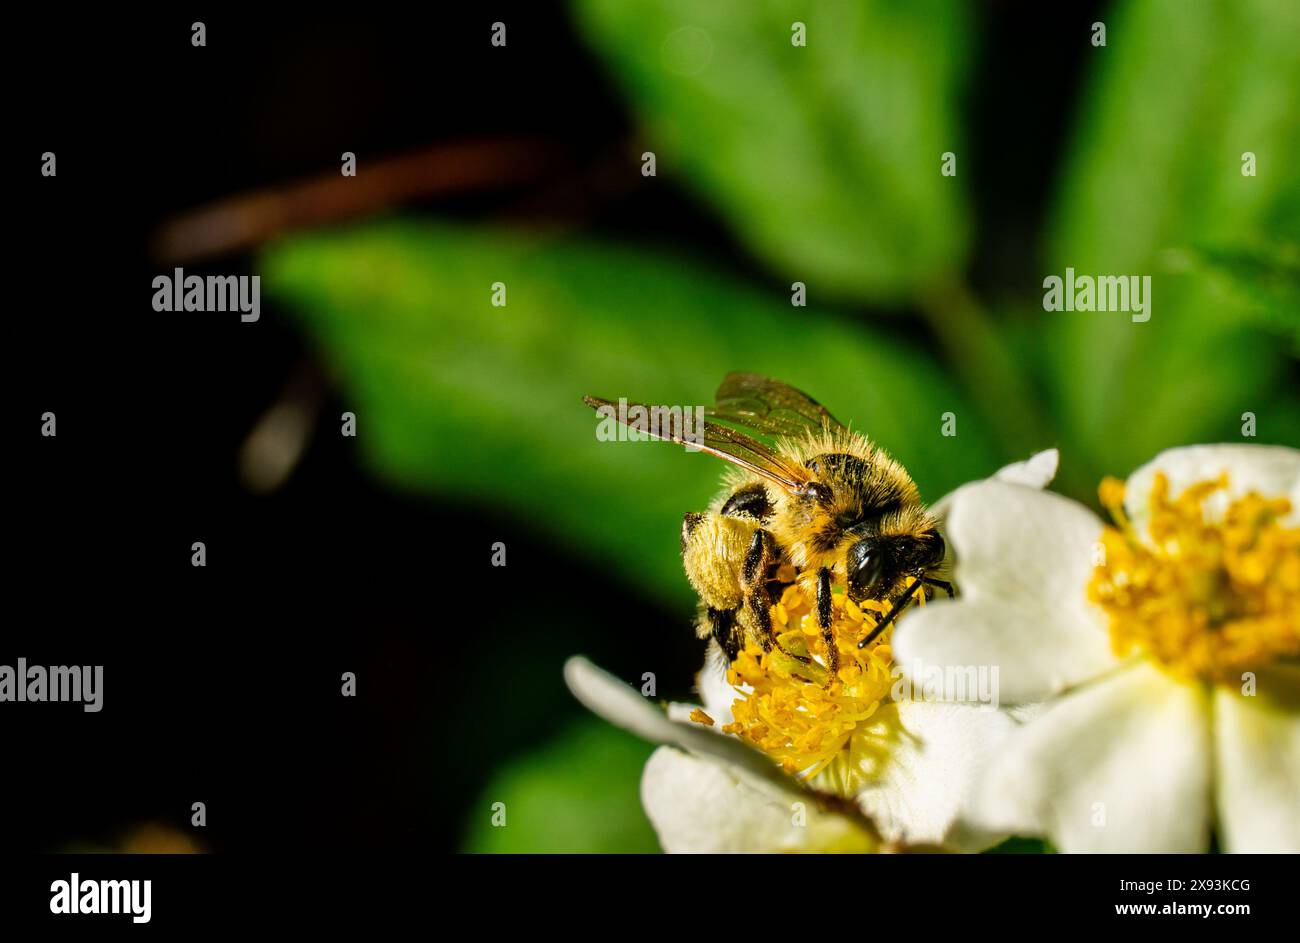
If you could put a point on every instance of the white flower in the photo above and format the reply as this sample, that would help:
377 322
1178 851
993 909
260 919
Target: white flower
706 792
1165 651
880 771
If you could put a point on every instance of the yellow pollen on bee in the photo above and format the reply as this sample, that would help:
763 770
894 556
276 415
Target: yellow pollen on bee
785 706
1206 595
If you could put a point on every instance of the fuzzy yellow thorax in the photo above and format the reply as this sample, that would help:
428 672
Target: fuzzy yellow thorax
1208 593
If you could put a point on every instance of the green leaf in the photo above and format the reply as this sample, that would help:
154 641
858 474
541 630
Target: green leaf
577 794
1180 93
825 158
462 399
1262 279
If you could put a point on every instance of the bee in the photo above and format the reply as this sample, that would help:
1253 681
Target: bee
823 502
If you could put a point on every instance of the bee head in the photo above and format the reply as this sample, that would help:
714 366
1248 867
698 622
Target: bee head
873 565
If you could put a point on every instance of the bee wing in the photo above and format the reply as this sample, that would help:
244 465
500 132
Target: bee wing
727 444
765 405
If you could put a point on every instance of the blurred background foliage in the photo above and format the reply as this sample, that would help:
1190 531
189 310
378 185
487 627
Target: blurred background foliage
813 159
822 165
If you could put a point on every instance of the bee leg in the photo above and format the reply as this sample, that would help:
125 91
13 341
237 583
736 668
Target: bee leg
899 605
757 557
725 631
824 623
759 601
941 584
760 611
753 573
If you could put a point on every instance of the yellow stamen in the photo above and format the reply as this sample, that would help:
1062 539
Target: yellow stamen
1206 594
785 705
700 717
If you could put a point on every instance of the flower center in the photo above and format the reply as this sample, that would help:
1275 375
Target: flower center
786 706
1208 593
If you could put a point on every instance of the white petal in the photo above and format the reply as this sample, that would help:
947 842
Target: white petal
679 712
1037 471
603 694
1257 752
1016 541
698 806
1024 713
1023 560
1271 470
1122 764
927 776
716 693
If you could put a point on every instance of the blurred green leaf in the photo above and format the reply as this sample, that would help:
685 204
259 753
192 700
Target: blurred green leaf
1263 279
456 397
1158 166
825 158
580 793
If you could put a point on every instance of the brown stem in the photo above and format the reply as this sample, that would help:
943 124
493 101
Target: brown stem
245 221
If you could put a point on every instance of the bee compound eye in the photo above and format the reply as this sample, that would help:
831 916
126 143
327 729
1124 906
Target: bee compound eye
864 564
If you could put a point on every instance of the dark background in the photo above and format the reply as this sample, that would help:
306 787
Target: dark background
222 683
